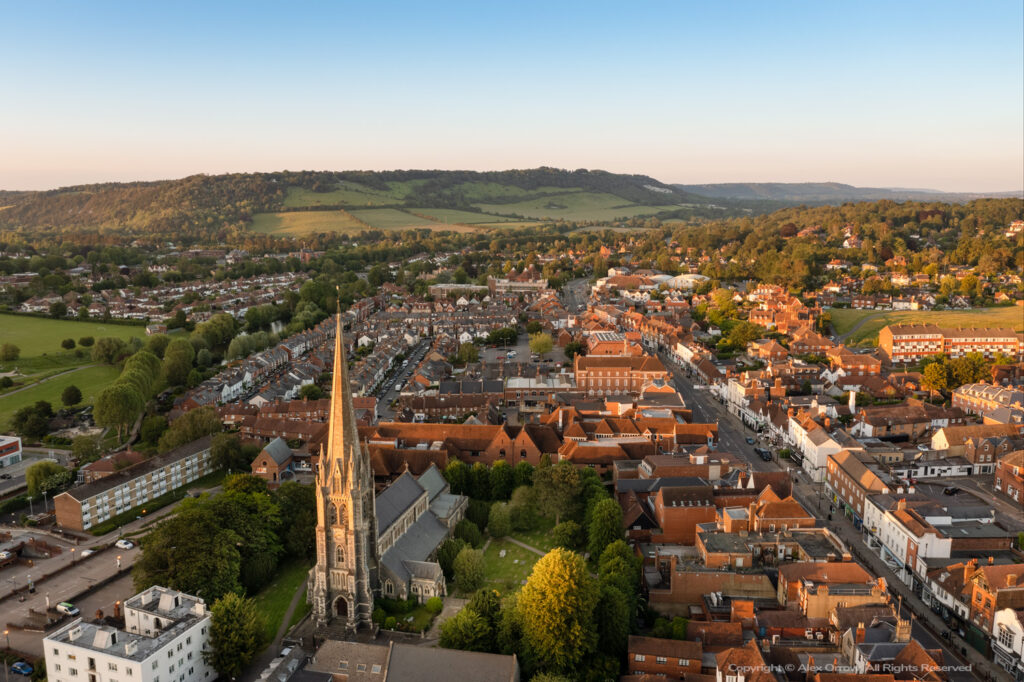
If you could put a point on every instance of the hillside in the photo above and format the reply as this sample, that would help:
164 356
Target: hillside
825 192
281 203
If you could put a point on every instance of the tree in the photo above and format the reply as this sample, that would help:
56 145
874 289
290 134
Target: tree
457 475
467 353
605 526
556 612
226 452
556 488
58 310
936 377
466 630
67 344
311 392
157 344
743 333
523 475
190 426
480 482
468 531
85 449
487 602
86 341
152 428
612 616
469 570
298 518
499 522
71 396
502 479
9 352
117 405
567 535
541 343
32 421
236 634
446 554
522 508
574 348
37 475
108 350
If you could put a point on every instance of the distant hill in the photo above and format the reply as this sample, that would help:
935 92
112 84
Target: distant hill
351 201
826 192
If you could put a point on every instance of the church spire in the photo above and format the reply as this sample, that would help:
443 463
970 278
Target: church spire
344 456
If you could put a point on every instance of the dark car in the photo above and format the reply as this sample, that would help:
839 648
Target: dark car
951 490
764 454
5 476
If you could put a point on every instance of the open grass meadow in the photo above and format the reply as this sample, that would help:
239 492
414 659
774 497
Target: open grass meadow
273 600
574 206
452 215
90 380
393 219
347 194
844 319
37 336
306 222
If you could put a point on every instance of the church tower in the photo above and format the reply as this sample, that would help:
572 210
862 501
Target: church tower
341 584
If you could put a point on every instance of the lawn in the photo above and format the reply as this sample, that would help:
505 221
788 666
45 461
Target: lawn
90 380
302 223
574 206
273 600
844 319
37 336
507 573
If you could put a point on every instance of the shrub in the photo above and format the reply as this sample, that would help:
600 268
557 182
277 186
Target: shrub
390 622
567 535
469 532
435 605
499 523
469 570
379 615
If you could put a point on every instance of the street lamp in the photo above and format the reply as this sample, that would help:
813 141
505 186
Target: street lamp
7 636
119 562
72 556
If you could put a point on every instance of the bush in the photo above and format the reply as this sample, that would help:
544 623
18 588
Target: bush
499 523
86 341
478 511
6 382
435 605
567 534
67 344
469 570
379 615
390 622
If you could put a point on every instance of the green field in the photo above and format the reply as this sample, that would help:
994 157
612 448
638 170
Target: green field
507 573
306 222
845 319
348 194
491 191
574 206
37 336
540 537
90 380
393 219
273 600
452 215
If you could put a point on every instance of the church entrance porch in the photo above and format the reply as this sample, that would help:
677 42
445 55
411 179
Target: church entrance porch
340 608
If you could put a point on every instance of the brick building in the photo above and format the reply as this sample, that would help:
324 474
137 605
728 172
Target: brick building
906 343
1009 476
274 463
617 374
669 658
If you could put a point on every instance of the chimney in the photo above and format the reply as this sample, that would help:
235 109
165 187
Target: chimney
828 424
991 560
969 568
853 402
902 633
860 633
1011 579
117 609
901 504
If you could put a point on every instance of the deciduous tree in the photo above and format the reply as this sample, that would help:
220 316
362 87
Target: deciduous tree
236 634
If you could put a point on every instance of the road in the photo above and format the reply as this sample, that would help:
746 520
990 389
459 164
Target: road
575 294
392 385
732 435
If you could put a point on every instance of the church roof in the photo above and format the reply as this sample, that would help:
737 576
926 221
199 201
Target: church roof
416 544
397 498
433 481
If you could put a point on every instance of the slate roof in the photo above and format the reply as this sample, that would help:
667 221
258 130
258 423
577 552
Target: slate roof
433 481
411 663
278 450
398 497
416 544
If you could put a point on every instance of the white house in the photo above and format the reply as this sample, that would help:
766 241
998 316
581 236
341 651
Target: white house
164 637
903 536
814 444
1008 642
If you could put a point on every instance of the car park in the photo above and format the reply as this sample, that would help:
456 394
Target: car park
124 544
67 608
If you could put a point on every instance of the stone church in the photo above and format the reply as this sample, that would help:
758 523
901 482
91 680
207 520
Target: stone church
367 545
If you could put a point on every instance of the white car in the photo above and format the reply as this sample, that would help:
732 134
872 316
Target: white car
67 608
87 552
5 555
124 544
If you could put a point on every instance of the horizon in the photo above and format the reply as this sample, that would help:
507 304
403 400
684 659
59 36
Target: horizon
917 95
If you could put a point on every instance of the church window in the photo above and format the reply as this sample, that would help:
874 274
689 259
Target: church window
389 588
339 554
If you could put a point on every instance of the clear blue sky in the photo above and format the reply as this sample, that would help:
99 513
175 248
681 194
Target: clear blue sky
903 94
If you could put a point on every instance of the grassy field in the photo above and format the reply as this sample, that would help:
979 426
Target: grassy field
90 380
38 335
507 573
574 206
539 537
845 319
393 219
348 194
305 222
273 600
452 215
489 191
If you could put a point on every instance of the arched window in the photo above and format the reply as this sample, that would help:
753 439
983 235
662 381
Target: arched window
339 554
389 588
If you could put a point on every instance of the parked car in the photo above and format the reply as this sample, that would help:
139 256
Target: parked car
5 555
21 668
124 544
764 454
67 608
950 490
5 476
750 441
87 552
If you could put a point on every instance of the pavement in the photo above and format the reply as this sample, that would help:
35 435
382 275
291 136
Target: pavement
926 625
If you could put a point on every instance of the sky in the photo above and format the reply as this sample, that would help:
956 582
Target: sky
879 94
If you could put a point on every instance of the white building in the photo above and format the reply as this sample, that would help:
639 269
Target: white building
905 537
10 451
166 632
814 444
1008 642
